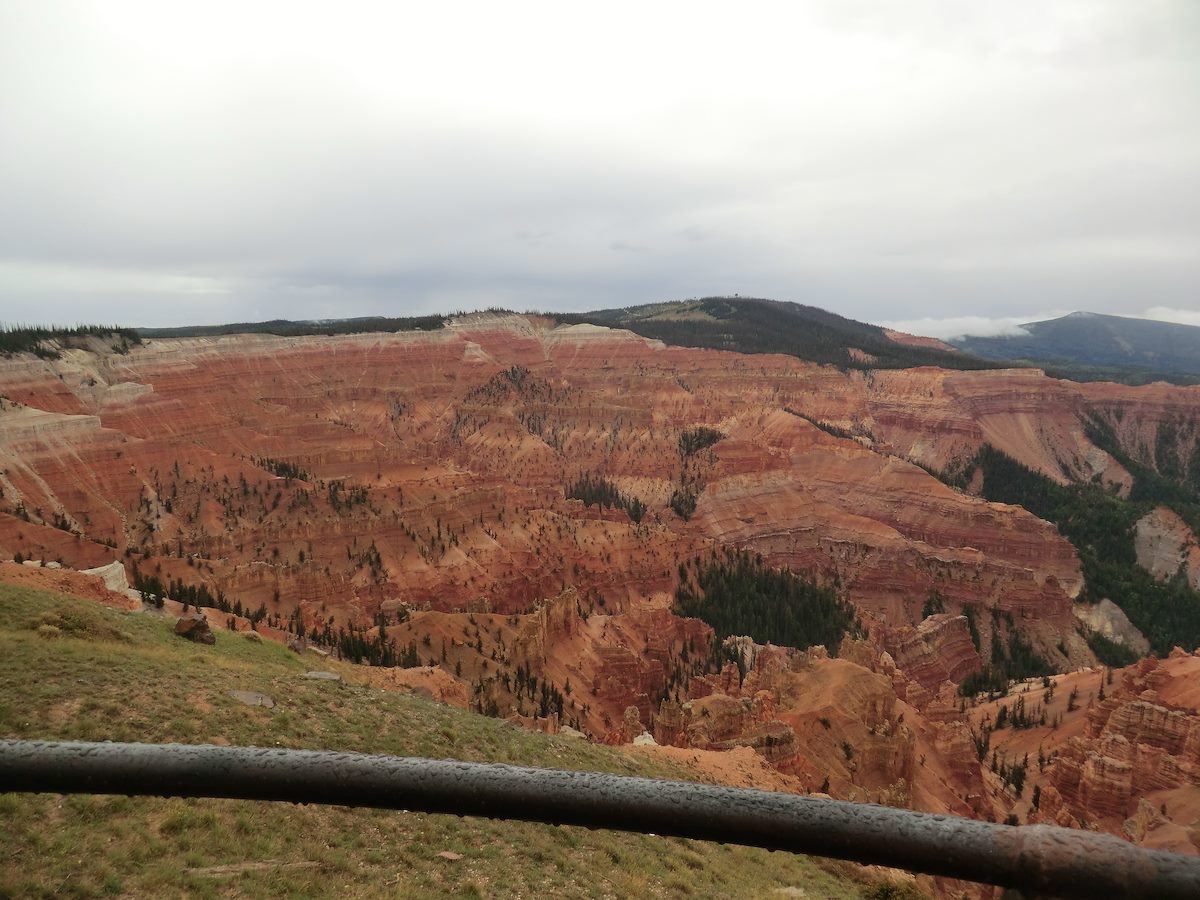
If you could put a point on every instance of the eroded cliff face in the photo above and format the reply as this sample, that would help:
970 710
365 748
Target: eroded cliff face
433 468
1117 750
889 531
430 473
600 665
1136 768
937 651
855 727
1158 425
1166 546
937 418
419 480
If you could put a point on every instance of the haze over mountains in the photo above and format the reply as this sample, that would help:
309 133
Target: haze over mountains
1093 346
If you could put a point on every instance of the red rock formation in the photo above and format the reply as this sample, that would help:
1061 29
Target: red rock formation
1139 743
433 475
431 490
437 474
938 650
833 723
65 581
916 340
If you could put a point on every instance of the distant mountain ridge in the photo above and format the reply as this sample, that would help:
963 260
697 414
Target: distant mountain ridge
1089 346
741 324
755 325
1081 346
298 328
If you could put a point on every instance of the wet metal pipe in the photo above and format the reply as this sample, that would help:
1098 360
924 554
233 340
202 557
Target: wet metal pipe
1037 858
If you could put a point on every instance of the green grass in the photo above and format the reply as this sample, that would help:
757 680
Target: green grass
118 676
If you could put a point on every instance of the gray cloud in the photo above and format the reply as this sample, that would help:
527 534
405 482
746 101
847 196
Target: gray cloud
173 163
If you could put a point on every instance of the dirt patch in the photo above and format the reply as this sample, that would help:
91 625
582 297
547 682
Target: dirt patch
61 713
269 865
427 681
65 581
916 340
741 767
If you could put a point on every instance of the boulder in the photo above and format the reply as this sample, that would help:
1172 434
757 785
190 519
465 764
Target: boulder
194 627
253 698
631 724
323 676
113 576
1108 619
1165 544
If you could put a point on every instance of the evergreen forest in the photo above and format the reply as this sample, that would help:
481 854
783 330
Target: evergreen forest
736 593
1100 525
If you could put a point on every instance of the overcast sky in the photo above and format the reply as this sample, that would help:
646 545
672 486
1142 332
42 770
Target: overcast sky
169 163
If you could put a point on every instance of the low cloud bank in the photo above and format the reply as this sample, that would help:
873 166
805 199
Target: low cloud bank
1178 316
959 326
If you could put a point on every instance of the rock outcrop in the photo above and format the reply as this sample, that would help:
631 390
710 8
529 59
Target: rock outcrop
1166 546
834 724
194 627
415 484
938 650
1108 619
1136 744
433 465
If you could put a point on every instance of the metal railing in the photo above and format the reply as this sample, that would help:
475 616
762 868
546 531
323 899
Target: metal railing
1038 858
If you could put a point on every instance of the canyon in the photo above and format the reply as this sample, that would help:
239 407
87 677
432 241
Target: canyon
414 487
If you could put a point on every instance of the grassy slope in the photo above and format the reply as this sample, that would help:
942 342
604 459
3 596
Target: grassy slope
126 677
